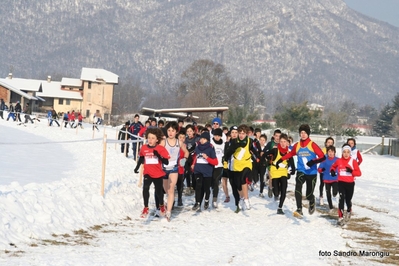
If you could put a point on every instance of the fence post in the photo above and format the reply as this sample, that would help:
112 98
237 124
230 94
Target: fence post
103 166
390 147
125 147
382 145
116 137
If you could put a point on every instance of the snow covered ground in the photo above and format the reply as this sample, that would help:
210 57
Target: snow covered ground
52 213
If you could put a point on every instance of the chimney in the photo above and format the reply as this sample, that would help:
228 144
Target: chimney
9 75
48 79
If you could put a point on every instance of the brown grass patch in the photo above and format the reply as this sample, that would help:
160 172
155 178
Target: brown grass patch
373 237
53 242
96 227
16 253
369 233
371 208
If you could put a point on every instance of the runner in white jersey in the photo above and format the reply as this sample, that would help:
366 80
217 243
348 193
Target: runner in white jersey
177 150
218 145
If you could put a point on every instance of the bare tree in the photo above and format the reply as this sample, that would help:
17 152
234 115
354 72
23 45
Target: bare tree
249 94
334 122
165 95
208 82
128 97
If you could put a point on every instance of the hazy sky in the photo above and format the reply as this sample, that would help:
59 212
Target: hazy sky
385 10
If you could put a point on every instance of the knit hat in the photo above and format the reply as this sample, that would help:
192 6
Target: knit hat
127 123
346 147
217 120
304 127
233 128
217 132
205 135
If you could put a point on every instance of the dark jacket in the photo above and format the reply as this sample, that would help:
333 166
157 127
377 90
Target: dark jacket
18 108
2 105
202 167
135 128
54 114
122 133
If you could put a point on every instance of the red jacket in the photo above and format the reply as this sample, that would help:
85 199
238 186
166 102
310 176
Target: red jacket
142 131
340 168
71 117
152 165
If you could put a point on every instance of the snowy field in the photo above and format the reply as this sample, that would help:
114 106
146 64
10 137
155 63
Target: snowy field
52 213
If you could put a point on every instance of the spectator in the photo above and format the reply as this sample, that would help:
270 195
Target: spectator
135 128
28 112
2 107
54 117
124 136
71 118
65 119
11 112
18 110
80 121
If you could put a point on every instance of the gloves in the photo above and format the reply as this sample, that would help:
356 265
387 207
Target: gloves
310 163
277 163
156 153
333 173
136 170
182 162
348 169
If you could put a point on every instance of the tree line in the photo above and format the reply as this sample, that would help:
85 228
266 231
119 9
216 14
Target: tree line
208 84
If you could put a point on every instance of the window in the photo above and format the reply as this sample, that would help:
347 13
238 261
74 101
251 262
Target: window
106 117
87 113
68 102
89 86
60 101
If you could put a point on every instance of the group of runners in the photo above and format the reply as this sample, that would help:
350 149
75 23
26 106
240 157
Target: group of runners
208 156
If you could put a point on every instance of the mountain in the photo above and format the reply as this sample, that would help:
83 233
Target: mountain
319 48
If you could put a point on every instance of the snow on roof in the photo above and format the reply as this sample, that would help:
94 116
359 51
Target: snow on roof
6 84
53 90
71 82
24 84
98 74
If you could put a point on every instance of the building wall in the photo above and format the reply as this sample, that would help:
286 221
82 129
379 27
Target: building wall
4 94
64 107
98 97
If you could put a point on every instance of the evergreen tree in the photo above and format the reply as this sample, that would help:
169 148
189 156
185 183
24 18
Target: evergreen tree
293 115
383 125
395 103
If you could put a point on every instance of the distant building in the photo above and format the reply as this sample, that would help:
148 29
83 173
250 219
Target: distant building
22 90
93 91
362 120
364 129
315 107
259 122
